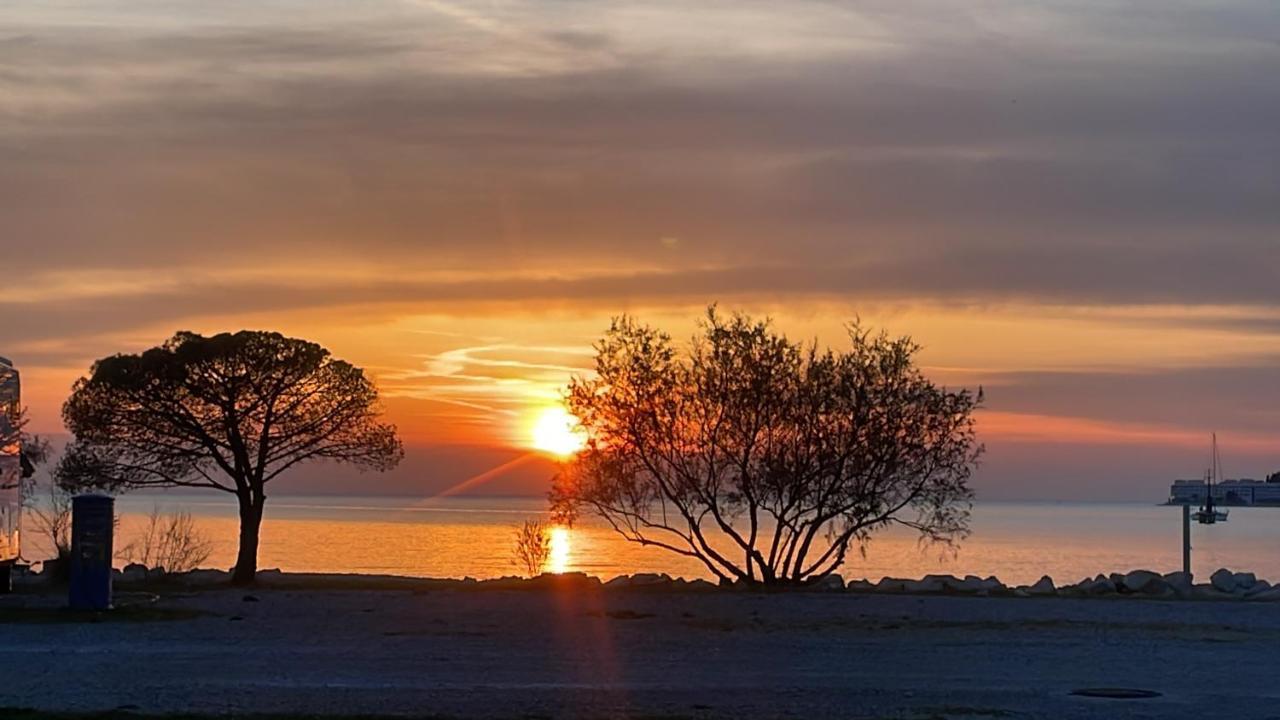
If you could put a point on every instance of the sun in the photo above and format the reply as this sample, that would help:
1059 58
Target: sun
555 431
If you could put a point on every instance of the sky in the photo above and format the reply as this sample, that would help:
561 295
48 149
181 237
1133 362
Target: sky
1075 205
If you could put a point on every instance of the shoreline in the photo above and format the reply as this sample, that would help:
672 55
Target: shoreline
1223 585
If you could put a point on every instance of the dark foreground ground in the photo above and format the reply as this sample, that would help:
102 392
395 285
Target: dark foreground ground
585 653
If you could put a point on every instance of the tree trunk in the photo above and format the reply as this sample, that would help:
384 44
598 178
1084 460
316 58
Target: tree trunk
250 523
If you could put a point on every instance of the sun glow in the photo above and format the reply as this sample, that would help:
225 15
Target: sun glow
555 431
558 560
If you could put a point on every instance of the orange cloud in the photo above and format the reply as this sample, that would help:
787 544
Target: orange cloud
1006 427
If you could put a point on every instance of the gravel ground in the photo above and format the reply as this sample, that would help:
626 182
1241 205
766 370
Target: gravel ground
580 652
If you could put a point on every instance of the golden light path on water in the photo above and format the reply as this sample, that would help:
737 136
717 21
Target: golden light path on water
561 549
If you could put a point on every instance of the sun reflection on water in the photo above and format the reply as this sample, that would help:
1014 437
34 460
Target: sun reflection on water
558 561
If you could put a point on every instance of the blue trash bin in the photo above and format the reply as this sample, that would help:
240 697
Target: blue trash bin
92 526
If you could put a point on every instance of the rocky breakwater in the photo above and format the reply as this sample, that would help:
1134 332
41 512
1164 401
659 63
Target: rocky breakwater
1223 585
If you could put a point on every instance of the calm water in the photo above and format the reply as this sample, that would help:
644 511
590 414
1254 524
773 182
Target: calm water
456 537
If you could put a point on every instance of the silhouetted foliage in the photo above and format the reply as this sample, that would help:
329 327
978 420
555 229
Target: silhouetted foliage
50 514
533 546
763 458
170 541
230 412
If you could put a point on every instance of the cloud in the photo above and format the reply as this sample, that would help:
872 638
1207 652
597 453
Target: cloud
1243 398
1077 154
1064 277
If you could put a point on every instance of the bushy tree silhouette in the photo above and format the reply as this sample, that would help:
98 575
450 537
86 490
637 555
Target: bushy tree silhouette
229 412
763 458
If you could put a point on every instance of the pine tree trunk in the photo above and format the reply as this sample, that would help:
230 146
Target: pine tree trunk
250 523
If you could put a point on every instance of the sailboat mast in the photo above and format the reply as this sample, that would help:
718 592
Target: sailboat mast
1211 475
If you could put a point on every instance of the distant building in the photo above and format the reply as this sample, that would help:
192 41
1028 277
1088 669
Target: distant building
1228 492
10 468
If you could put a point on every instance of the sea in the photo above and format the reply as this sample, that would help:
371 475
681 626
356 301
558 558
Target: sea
457 537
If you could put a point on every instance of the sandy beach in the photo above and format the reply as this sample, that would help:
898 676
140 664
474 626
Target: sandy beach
578 651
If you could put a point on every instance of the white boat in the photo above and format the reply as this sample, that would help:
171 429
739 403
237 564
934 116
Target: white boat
1213 492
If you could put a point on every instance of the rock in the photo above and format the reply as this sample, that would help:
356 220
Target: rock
1043 587
1021 591
270 576
1180 582
972 584
1101 585
567 580
205 577
863 585
1271 594
928 584
507 582
992 585
1071 590
639 580
942 582
564 577
700 585
1244 580
829 583
1142 581
1146 582
1223 580
1209 592
1260 586
649 579
892 585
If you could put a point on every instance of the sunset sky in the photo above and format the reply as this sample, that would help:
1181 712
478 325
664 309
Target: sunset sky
1075 205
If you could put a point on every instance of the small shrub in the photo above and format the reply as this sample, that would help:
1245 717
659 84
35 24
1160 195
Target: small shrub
170 541
50 517
533 546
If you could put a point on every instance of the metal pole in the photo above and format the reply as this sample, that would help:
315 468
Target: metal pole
1186 539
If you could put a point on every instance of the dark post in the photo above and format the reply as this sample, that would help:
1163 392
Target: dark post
92 523
1186 540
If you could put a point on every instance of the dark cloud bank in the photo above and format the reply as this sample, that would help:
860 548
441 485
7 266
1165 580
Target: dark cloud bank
1084 153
